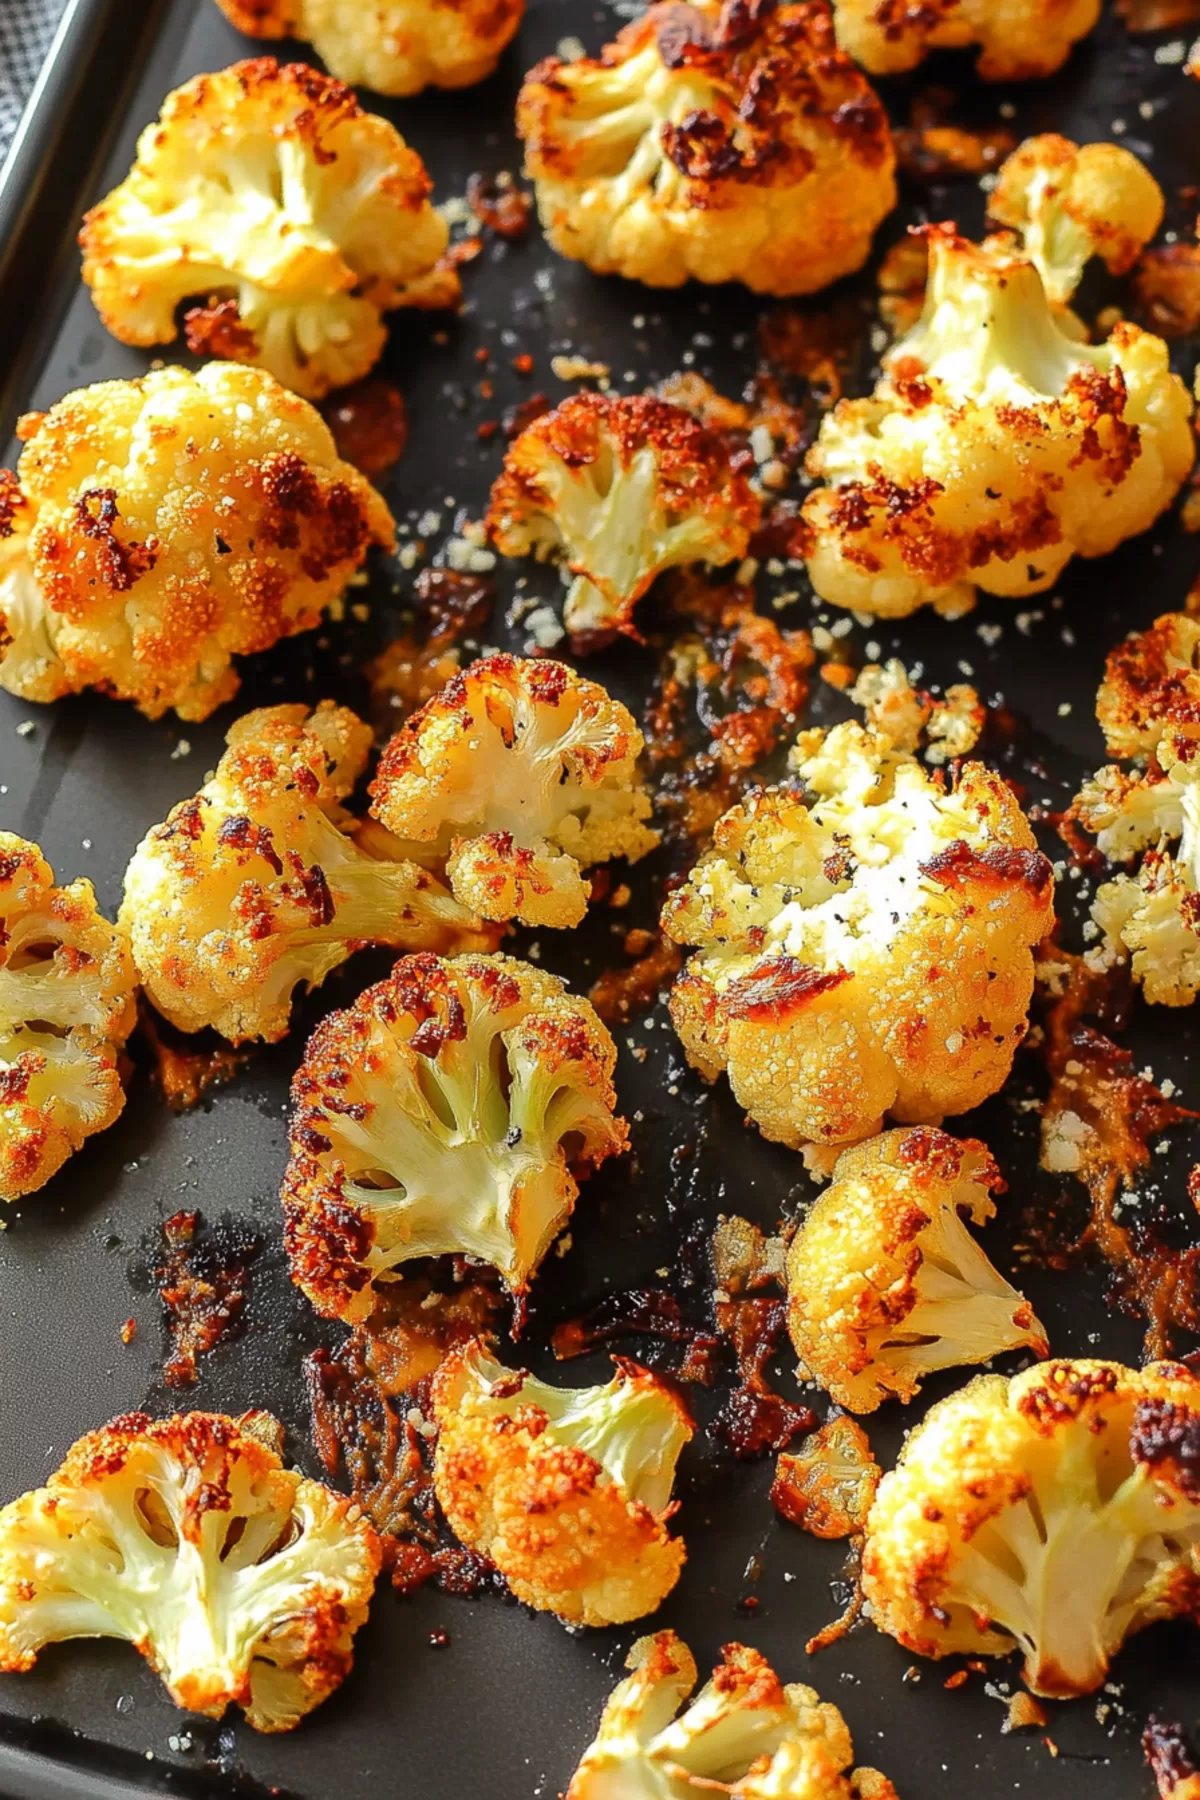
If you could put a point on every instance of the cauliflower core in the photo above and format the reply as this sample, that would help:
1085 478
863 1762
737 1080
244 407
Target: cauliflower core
269 194
744 1735
1056 1513
157 528
722 142
1017 39
240 1582
450 1110
67 985
885 1281
567 1490
994 447
517 777
864 950
392 46
257 883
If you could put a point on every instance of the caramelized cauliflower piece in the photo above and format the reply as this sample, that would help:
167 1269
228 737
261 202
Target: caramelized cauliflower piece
994 447
886 1283
294 217
943 728
1151 685
864 949
451 1110
1055 1513
620 489
240 1582
1017 39
720 142
566 1490
744 1735
517 776
257 883
67 985
158 528
392 46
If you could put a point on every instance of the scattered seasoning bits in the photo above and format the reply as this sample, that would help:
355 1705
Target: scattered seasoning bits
25 728
439 1638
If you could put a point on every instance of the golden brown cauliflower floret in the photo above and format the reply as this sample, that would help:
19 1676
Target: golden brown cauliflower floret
862 949
1151 685
160 527
261 880
942 728
240 1582
886 1283
295 218
1017 39
994 447
517 776
67 985
452 1110
620 489
1055 1513
392 46
717 141
566 1490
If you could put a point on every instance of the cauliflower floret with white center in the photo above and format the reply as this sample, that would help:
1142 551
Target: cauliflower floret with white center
261 881
517 777
1017 39
295 218
916 720
67 986
566 1490
885 1281
452 1110
1151 685
1055 1513
240 1582
994 448
715 141
865 948
158 528
744 1735
392 46
619 489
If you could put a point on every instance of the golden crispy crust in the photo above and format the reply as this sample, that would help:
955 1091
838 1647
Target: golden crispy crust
392 46
1151 685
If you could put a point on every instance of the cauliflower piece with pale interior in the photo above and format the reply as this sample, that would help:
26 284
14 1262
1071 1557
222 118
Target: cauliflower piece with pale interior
262 880
517 777
885 1281
864 948
994 448
1017 39
1151 685
392 46
240 1582
566 1490
293 216
1055 1513
915 720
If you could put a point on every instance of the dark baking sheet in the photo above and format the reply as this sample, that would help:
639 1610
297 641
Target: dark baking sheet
505 1708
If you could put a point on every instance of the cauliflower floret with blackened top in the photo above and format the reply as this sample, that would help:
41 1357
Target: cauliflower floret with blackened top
864 944
566 1490
452 1109
263 880
1055 1513
241 1583
1017 39
618 490
744 1735
158 528
517 777
293 217
392 46
725 140
994 448
886 1283
67 985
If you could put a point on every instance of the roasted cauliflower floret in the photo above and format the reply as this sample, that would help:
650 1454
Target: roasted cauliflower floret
566 1490
1017 39
720 142
240 1582
158 528
862 949
620 489
994 447
1151 685
942 728
295 218
886 1283
67 985
392 46
260 882
452 1109
1056 1513
517 777
744 1735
